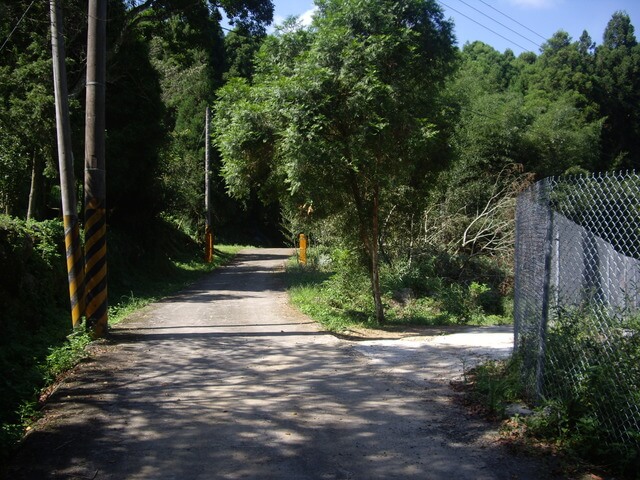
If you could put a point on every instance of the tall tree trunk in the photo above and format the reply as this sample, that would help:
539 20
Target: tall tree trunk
369 236
34 190
374 254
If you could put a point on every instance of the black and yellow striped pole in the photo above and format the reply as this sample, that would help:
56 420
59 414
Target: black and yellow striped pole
96 267
75 260
94 177
75 267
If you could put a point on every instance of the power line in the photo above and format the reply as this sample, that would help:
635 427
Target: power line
514 20
17 24
485 27
499 23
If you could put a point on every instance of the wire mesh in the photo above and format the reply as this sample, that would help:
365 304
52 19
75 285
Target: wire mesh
577 304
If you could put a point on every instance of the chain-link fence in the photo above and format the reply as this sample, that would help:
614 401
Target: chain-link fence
577 299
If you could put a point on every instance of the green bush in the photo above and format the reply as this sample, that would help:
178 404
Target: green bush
590 405
497 384
592 385
337 291
34 318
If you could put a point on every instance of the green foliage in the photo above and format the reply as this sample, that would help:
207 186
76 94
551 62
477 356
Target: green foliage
591 381
333 288
34 314
595 378
66 356
240 49
617 67
338 118
305 292
496 384
348 288
36 342
444 290
27 120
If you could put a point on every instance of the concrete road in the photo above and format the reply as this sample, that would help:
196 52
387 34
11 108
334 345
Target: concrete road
227 381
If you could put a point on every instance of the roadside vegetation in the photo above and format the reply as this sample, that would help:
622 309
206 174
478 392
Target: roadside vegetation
37 344
563 426
334 290
399 153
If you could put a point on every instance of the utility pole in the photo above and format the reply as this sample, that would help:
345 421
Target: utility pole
208 235
94 175
75 260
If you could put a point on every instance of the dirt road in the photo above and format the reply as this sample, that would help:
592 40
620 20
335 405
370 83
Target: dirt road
227 381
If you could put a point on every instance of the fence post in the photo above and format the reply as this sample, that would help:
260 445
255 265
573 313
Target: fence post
517 271
546 292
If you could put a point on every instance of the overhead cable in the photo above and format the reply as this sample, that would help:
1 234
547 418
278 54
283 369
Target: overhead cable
485 27
513 20
17 24
500 23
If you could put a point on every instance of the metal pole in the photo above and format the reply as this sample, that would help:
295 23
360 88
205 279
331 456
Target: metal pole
546 294
95 181
75 260
207 189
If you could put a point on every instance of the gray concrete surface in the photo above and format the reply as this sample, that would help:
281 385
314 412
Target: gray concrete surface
227 381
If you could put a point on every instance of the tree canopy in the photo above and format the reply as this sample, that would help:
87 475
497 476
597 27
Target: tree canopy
368 119
343 119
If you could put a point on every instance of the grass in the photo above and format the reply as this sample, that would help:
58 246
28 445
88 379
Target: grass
129 297
495 384
340 299
552 427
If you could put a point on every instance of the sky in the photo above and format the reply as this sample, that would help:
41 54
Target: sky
521 25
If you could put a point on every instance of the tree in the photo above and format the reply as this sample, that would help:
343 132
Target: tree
357 118
240 48
26 112
188 58
617 91
619 32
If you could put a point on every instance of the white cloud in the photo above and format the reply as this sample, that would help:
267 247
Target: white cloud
303 19
307 16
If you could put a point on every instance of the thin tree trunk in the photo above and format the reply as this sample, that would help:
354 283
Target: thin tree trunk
411 242
370 241
34 190
375 261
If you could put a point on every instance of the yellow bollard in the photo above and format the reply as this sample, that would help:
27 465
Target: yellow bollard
208 240
303 248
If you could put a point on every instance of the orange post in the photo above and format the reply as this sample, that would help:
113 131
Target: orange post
208 239
303 248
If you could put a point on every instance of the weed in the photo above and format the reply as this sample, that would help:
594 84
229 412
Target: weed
571 425
497 384
66 356
334 289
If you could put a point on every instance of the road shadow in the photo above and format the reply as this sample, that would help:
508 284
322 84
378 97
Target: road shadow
247 405
243 388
